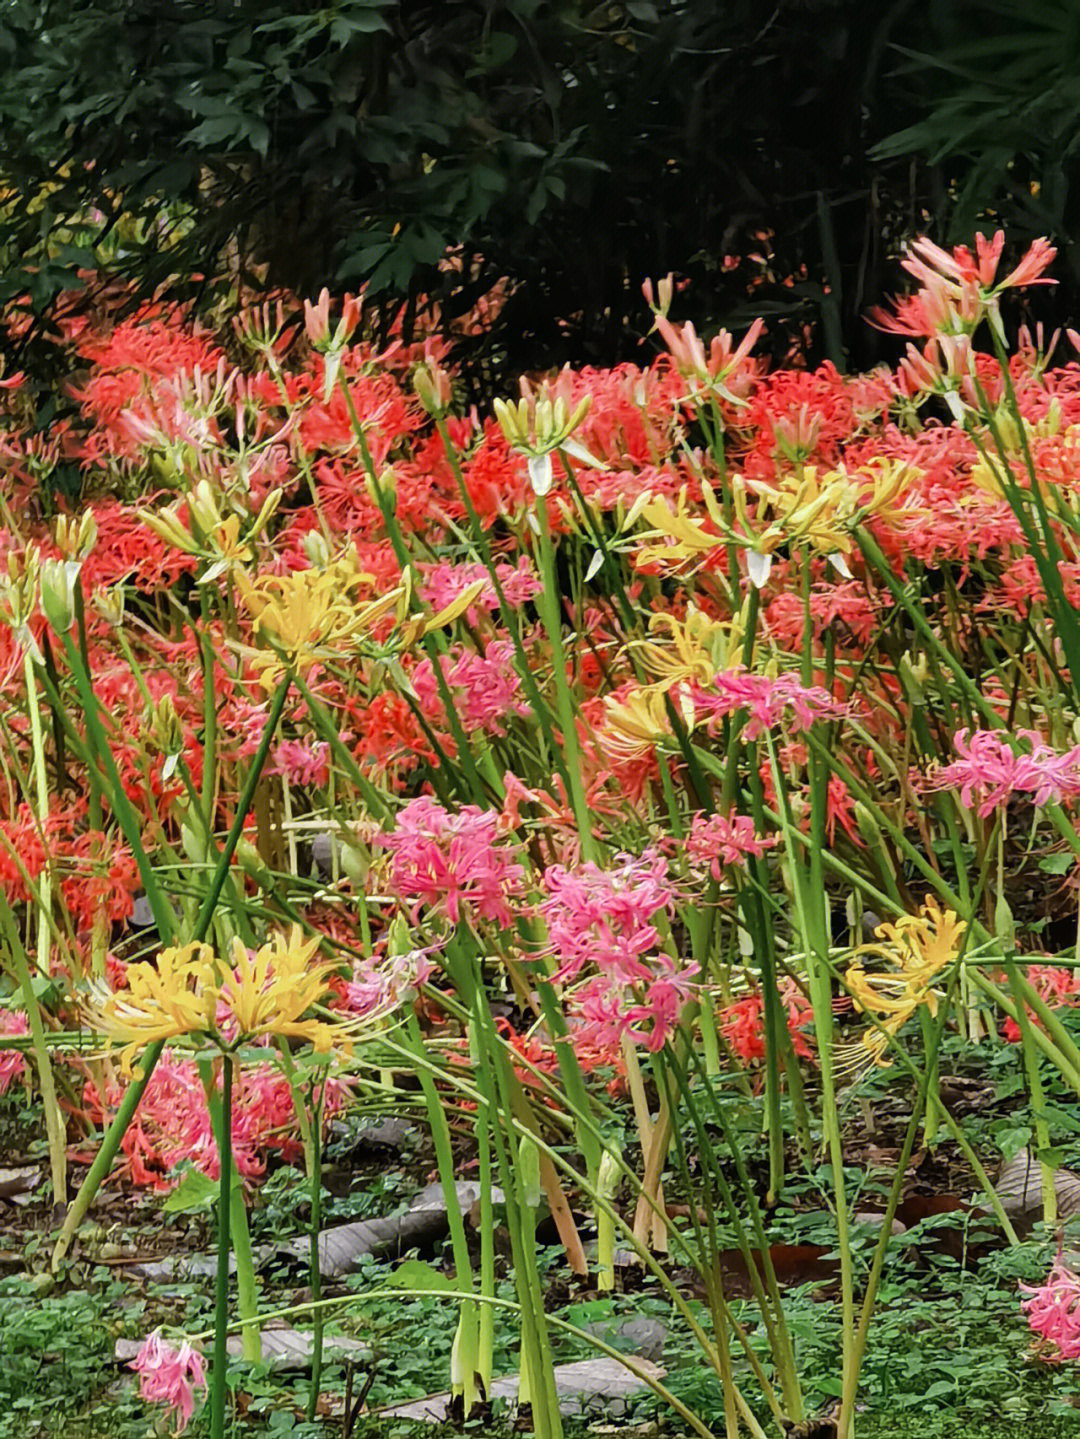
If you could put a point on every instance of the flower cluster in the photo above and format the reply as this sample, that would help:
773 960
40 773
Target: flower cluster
452 863
604 933
169 1375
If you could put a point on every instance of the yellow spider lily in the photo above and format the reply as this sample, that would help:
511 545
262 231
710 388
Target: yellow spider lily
675 539
917 948
635 724
696 648
190 991
310 615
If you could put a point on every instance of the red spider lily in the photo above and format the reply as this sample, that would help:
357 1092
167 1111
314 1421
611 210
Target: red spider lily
1057 987
173 1123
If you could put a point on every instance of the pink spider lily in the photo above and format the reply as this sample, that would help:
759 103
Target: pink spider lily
1053 1312
767 700
719 839
452 863
12 1061
170 1376
990 772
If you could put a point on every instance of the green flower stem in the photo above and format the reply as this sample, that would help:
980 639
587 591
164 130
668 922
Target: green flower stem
114 1135
54 1120
466 1344
929 1075
246 1289
247 1293
315 1180
1038 1100
310 1127
535 1343
486 1322
808 896
510 1306
551 611
122 807
221 1298
559 1161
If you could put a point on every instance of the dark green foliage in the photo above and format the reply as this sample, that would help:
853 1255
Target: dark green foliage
569 146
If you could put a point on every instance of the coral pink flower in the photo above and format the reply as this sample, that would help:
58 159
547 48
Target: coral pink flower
958 289
380 983
717 840
1053 1312
486 689
444 582
300 763
168 1375
605 921
604 917
452 862
989 772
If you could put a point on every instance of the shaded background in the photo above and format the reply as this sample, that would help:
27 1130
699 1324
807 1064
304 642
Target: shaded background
774 156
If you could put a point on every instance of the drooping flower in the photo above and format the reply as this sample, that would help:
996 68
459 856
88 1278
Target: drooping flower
170 1376
1053 1312
915 949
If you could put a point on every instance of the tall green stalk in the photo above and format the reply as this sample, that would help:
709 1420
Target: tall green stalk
551 611
221 1294
54 1120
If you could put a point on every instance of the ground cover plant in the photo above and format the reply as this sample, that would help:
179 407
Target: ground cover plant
656 795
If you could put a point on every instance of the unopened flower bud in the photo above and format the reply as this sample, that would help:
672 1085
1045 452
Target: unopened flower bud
108 601
166 733
316 549
76 538
665 289
383 490
532 1191
58 579
433 389
204 508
